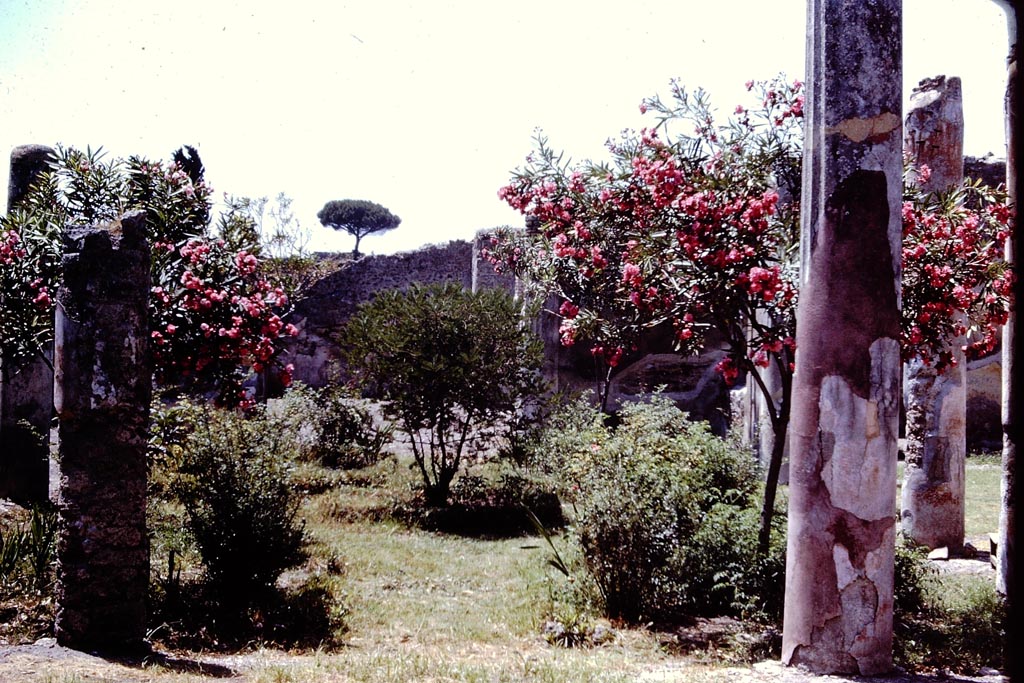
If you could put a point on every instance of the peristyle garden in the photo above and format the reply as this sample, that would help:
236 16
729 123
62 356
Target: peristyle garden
440 494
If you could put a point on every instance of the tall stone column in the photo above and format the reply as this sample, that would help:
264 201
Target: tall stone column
104 383
843 439
932 507
1010 550
26 388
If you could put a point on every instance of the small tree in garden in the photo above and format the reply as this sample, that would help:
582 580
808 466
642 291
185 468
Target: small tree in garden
358 218
450 364
683 228
694 224
213 315
282 243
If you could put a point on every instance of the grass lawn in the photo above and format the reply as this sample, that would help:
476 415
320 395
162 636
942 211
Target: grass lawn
424 606
981 498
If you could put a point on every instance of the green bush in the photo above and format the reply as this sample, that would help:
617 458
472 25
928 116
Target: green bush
496 508
667 515
233 481
452 367
945 622
332 426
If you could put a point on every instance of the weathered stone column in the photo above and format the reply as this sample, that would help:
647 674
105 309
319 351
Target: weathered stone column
932 507
104 383
26 388
839 573
1010 550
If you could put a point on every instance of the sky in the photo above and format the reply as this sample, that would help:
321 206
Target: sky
423 107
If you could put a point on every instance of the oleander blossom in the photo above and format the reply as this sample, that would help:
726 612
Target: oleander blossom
667 231
214 317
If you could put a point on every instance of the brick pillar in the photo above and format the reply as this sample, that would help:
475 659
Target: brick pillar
26 388
932 506
104 383
843 439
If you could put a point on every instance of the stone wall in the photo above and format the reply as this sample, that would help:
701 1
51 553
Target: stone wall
332 301
691 382
984 392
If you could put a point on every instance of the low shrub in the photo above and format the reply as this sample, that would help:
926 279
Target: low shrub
332 426
233 482
495 508
451 367
311 614
666 515
944 622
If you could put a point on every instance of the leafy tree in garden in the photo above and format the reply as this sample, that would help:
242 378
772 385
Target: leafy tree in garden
450 364
358 218
282 243
30 253
213 316
694 224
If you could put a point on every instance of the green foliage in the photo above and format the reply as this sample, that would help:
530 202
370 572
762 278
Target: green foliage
28 550
951 623
912 574
667 515
496 507
281 242
358 218
451 365
233 481
333 427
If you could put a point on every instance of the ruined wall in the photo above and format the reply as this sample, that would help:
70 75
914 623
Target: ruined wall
984 392
691 382
332 301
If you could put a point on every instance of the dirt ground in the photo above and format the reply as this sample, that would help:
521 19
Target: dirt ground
45 661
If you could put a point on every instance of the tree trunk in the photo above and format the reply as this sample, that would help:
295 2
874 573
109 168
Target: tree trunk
771 486
846 389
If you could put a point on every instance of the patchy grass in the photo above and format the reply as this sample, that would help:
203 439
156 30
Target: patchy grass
424 606
982 499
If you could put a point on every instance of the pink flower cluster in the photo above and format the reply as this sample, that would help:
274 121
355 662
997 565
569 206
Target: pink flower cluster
218 318
11 248
685 231
956 283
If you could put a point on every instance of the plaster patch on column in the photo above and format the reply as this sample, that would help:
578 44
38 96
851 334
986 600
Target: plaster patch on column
846 573
860 611
874 128
857 463
103 392
878 567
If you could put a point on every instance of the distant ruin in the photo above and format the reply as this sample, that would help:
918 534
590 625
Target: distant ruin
690 381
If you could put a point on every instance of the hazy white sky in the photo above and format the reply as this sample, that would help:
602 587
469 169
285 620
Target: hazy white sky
424 107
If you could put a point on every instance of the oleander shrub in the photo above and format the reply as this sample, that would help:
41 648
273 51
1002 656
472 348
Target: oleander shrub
233 481
667 515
